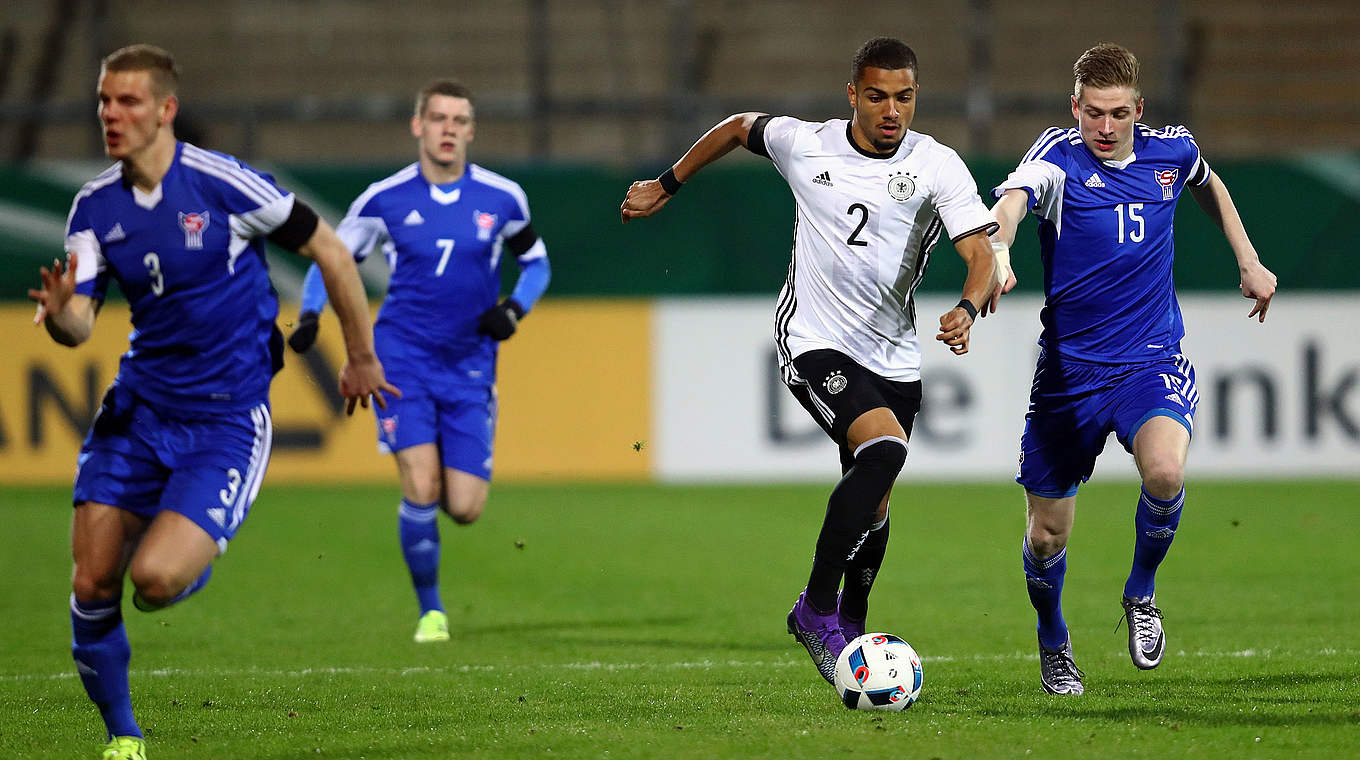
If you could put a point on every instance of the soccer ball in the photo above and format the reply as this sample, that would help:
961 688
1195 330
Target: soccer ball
878 671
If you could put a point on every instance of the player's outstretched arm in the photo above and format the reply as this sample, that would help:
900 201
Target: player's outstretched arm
1009 211
67 315
957 323
1258 283
646 197
362 376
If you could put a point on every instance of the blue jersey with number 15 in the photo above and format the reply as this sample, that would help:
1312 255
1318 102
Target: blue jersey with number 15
1106 233
444 245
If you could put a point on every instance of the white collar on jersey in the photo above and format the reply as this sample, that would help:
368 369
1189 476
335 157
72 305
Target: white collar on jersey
147 200
444 198
1122 163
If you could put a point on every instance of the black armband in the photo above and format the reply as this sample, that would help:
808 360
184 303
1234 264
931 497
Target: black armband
522 241
755 139
297 229
968 307
669 183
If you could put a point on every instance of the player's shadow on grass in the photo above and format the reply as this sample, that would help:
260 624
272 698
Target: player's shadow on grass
1214 701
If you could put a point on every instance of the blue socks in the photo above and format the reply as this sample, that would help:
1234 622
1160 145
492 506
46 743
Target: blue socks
419 533
1045 580
99 645
1156 522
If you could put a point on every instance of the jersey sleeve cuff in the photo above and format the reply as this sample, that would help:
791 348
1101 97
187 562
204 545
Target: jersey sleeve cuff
986 229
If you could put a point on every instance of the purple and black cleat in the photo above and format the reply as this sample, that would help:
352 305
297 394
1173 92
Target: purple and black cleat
819 634
850 629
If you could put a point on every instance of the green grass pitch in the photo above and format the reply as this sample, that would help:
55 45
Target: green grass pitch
648 622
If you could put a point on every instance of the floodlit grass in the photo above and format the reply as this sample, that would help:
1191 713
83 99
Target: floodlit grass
648 621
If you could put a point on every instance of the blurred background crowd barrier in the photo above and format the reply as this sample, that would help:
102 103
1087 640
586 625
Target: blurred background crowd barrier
650 358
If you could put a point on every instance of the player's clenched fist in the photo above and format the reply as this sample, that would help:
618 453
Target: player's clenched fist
644 198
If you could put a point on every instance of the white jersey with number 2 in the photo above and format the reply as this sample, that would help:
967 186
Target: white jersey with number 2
866 224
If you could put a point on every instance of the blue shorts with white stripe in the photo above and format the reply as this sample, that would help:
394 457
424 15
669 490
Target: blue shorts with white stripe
146 459
1075 405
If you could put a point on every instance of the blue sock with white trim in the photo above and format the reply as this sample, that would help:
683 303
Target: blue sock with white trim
418 529
99 645
1044 577
1155 521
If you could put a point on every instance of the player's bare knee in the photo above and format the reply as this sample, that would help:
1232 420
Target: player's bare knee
1164 486
465 511
1046 540
156 585
1163 479
423 492
90 586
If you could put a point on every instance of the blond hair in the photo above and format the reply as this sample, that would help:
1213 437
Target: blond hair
1106 65
143 57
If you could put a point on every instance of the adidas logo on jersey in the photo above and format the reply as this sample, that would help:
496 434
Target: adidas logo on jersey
413 218
823 179
115 234
1094 181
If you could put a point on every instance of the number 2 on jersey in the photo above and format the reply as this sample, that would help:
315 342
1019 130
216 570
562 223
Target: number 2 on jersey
1136 233
863 220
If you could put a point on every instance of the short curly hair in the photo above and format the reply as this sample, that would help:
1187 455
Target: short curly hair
882 53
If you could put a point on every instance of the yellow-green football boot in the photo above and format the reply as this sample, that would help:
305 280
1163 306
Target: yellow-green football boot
124 748
433 626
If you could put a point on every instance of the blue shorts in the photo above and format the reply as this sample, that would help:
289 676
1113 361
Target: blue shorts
146 459
460 418
1074 406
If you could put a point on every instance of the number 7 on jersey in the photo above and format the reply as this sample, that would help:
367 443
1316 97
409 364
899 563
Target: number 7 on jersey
445 245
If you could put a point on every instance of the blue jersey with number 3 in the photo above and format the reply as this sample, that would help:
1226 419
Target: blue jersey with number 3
1106 236
444 245
189 257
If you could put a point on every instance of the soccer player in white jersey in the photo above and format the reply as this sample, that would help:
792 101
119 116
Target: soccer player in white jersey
872 200
1105 196
178 449
444 224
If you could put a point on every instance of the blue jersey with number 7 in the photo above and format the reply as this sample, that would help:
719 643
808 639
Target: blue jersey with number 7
444 244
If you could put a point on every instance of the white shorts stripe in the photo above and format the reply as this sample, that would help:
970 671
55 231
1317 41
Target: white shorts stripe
259 462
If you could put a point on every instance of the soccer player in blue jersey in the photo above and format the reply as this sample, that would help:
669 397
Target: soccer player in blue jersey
178 449
1105 196
444 225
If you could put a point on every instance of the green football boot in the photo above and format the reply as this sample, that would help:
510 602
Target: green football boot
124 748
433 626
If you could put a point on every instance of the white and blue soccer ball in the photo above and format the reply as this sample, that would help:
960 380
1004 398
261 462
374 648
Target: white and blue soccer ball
878 671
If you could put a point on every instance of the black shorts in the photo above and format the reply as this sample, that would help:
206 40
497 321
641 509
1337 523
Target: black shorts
836 391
